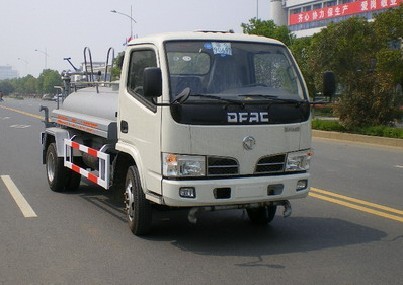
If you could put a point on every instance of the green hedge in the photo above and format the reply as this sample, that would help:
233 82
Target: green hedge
325 125
381 131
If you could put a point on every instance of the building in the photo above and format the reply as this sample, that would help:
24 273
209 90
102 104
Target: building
306 17
6 72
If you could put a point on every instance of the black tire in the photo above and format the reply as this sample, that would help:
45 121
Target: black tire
262 215
138 208
60 178
73 180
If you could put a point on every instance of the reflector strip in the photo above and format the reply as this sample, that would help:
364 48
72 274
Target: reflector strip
93 178
103 164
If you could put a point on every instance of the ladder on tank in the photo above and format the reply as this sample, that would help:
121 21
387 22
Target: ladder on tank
89 66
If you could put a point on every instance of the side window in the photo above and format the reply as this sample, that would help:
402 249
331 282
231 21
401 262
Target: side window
139 60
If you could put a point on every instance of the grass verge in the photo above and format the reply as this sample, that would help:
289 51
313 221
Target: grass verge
380 131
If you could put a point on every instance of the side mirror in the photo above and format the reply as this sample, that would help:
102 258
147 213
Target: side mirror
152 82
329 84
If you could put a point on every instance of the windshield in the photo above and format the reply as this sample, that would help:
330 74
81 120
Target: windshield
232 70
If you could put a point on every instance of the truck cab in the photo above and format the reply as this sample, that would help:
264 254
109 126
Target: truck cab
223 120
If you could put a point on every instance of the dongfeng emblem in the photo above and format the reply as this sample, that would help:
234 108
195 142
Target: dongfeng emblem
249 143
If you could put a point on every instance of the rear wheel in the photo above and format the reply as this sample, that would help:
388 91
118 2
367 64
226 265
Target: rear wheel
60 178
138 208
262 215
73 180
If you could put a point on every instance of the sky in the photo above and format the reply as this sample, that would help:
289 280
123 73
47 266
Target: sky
35 34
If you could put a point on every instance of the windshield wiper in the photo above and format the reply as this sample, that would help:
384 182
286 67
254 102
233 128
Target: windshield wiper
233 101
276 99
182 97
186 93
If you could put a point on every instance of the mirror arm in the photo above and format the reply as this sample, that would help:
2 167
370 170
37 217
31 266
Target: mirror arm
160 104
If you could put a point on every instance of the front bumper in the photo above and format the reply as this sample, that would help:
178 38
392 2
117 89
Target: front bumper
246 190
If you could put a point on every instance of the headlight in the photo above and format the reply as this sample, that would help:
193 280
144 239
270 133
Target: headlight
298 161
183 165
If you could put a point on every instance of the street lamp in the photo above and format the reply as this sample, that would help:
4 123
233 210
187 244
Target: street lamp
130 17
257 9
46 56
26 64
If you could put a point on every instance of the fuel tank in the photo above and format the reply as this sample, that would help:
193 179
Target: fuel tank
91 109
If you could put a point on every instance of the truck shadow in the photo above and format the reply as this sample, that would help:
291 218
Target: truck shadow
229 233
107 201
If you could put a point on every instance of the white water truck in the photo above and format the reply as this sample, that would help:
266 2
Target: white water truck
199 120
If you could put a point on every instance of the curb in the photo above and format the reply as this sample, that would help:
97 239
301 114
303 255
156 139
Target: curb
381 141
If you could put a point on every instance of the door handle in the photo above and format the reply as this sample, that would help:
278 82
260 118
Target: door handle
124 127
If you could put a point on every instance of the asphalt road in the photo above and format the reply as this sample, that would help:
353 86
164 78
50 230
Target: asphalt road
349 231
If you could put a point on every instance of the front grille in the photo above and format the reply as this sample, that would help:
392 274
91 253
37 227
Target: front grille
222 166
271 164
227 166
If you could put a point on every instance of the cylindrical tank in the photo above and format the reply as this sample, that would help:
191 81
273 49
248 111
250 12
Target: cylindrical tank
102 104
278 12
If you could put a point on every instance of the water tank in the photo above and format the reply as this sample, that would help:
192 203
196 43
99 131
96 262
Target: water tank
278 12
92 110
102 104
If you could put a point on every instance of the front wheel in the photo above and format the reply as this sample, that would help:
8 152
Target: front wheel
261 215
138 208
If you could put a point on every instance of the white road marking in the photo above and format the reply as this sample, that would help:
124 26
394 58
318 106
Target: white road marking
20 126
18 198
399 166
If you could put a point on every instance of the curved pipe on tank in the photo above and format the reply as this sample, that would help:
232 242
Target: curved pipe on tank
87 50
107 61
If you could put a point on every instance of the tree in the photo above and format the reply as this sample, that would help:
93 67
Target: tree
117 66
301 49
47 81
389 30
350 49
29 84
269 30
6 87
25 85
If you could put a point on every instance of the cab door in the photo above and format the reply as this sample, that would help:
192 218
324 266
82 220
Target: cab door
139 119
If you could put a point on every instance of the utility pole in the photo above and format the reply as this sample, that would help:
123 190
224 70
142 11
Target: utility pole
46 56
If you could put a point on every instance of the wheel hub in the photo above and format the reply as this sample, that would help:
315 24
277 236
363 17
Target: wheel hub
51 165
129 197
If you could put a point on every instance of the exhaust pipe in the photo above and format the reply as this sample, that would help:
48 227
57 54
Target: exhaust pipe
47 122
192 215
287 208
